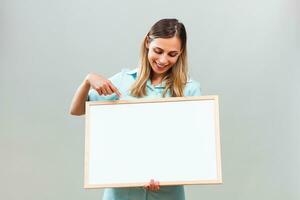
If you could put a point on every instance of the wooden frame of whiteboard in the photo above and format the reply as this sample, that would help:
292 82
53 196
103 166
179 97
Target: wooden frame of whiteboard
218 180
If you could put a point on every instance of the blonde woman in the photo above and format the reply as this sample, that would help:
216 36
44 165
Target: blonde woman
162 72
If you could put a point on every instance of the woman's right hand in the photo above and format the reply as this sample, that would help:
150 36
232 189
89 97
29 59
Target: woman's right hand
98 83
102 85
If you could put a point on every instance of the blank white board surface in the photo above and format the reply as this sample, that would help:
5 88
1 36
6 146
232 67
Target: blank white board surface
173 140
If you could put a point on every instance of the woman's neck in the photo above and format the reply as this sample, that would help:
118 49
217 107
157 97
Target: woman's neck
156 79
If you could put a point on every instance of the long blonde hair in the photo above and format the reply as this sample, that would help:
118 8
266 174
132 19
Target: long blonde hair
176 77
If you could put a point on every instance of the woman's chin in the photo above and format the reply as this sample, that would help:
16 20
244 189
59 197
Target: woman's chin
159 70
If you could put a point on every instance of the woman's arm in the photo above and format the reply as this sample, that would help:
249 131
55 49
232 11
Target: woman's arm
102 85
78 102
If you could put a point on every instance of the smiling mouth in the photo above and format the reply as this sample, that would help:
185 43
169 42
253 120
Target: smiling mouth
160 66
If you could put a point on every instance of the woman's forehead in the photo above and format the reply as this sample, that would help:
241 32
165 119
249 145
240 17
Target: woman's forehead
167 44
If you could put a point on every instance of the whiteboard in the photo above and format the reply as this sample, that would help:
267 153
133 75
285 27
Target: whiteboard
175 141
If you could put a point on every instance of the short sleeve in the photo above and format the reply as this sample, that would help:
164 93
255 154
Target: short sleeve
193 88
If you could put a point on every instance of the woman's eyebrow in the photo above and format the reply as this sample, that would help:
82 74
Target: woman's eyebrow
164 50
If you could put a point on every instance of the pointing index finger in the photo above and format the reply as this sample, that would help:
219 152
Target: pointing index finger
114 89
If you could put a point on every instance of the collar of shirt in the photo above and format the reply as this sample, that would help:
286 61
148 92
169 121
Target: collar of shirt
135 72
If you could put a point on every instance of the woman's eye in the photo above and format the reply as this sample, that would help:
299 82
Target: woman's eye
173 55
157 51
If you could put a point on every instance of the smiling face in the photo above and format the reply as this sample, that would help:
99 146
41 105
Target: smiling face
163 54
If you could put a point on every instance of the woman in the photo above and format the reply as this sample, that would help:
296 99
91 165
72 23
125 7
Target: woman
162 73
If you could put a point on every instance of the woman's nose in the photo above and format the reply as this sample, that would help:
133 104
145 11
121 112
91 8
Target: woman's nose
163 59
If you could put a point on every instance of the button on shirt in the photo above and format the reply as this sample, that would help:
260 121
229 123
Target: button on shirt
123 81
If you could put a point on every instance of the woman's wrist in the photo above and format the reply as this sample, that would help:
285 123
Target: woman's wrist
86 81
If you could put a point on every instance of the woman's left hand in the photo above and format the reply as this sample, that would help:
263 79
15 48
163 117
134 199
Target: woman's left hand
152 185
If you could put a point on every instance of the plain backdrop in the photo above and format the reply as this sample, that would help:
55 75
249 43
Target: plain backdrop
247 52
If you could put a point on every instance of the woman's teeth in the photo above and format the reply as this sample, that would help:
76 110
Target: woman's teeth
161 66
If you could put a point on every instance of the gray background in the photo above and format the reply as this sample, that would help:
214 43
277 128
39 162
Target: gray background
245 51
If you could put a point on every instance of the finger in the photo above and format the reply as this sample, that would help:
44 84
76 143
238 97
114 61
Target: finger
157 185
153 186
149 187
114 89
103 91
99 91
107 88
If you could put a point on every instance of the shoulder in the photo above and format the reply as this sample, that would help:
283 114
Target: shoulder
192 88
124 76
124 73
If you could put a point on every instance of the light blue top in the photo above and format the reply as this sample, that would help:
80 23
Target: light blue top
123 81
